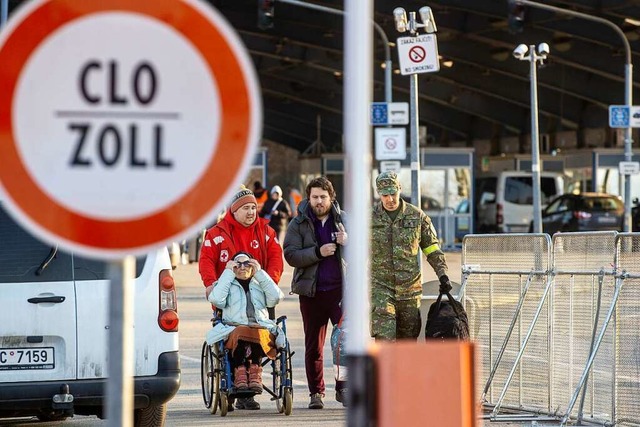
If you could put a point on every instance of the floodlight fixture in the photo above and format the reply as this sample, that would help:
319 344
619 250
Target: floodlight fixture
400 17
426 15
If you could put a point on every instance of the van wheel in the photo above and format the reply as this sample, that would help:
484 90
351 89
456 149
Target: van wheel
151 416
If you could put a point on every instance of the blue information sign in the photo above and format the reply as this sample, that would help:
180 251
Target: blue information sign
619 116
379 113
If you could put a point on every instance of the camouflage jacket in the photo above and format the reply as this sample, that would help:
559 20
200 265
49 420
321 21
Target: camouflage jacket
395 246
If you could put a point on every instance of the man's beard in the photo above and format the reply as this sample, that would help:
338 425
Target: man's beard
320 210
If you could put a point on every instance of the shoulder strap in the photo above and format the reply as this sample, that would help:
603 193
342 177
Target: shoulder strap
452 302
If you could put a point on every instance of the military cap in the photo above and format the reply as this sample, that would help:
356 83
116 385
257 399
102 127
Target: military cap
387 183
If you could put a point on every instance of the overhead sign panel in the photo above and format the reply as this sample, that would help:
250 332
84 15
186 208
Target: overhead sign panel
108 147
418 54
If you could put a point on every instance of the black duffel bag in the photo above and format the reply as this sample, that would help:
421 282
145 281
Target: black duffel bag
447 319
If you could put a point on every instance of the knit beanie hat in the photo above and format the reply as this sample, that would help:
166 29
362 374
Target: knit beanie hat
241 198
276 189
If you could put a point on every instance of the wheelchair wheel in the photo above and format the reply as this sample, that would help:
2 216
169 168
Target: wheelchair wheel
287 396
287 401
278 388
283 381
206 376
224 404
217 380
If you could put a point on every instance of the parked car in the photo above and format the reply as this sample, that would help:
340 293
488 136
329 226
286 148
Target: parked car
54 326
583 212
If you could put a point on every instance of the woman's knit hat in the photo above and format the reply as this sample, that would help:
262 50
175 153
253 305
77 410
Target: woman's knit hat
241 198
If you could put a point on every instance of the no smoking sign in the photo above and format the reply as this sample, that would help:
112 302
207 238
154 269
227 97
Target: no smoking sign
418 54
123 125
390 143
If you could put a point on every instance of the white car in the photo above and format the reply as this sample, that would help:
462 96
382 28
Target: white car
54 331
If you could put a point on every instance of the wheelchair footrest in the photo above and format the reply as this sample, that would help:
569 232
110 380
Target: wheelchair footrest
242 393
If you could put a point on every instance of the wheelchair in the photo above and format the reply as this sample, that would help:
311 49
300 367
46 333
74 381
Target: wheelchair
216 377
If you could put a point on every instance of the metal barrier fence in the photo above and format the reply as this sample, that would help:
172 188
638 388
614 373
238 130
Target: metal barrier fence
627 339
558 333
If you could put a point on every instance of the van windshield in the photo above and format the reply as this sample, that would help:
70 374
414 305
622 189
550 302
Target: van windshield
23 258
21 255
519 190
485 185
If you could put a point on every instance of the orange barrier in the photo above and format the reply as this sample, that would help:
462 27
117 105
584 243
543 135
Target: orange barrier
425 384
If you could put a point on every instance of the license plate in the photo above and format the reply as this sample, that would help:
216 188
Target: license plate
607 220
26 358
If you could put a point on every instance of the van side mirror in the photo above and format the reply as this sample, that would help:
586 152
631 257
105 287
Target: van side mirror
487 197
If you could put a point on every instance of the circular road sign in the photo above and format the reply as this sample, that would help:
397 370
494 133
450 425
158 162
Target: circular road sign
124 125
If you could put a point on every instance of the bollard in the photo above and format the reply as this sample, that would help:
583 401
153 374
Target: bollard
420 383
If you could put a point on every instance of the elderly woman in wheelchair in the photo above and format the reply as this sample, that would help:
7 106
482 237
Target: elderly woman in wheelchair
244 292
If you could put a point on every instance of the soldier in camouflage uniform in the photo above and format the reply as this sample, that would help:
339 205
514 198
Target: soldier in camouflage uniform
399 231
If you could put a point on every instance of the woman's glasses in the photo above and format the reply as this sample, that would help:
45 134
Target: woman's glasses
245 264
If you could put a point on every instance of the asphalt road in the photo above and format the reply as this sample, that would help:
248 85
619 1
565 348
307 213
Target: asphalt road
187 408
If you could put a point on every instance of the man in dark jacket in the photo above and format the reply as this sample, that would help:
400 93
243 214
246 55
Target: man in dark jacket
313 246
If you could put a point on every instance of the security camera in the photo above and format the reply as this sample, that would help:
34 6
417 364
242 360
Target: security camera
520 51
543 49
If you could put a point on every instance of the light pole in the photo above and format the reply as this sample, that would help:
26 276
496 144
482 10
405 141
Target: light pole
411 25
529 53
628 93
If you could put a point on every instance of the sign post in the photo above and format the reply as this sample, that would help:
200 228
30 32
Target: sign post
108 148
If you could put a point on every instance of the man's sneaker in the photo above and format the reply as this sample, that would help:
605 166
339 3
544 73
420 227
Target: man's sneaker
316 401
341 396
247 403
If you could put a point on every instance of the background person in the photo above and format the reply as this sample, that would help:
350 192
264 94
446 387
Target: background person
399 231
240 229
243 292
277 211
313 246
261 194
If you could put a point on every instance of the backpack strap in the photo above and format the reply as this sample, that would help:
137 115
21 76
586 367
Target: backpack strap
452 302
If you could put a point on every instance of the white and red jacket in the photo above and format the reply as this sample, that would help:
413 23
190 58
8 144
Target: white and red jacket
228 237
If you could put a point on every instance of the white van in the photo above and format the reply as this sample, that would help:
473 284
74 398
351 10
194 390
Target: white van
54 330
504 200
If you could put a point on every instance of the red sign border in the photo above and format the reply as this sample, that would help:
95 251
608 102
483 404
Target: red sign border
236 134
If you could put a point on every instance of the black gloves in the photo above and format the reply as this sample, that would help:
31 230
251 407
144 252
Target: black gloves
445 284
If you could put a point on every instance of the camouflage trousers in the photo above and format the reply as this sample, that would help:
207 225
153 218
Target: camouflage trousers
392 319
